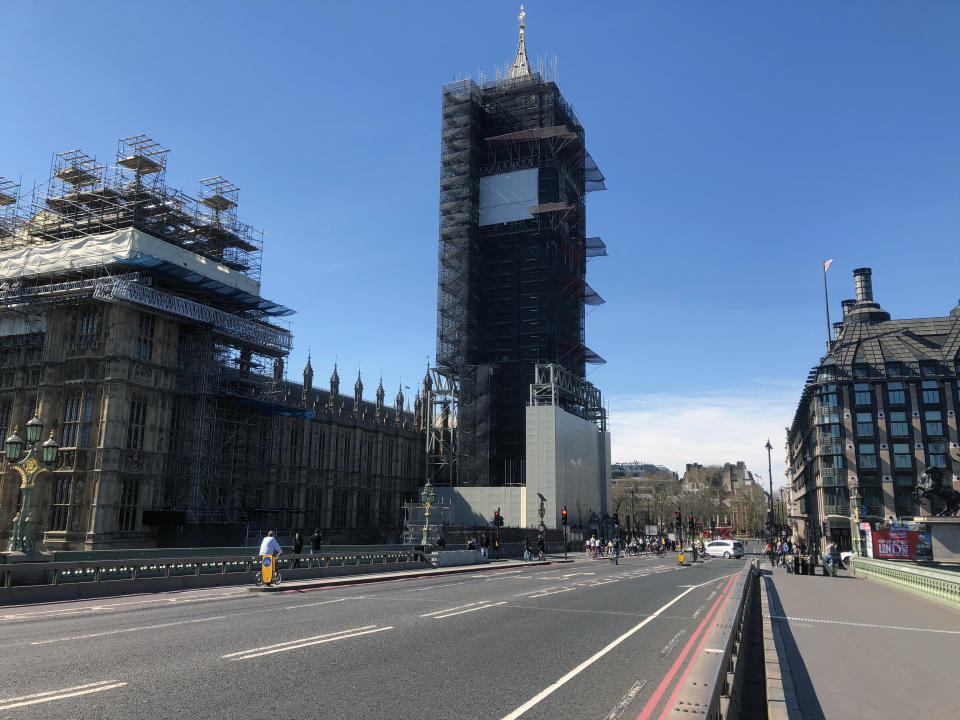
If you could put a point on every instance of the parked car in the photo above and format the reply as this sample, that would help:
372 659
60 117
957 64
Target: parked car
725 548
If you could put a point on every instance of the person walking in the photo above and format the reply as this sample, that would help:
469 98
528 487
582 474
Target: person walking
297 546
316 542
485 546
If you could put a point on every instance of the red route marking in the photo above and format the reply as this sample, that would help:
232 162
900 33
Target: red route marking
668 678
676 690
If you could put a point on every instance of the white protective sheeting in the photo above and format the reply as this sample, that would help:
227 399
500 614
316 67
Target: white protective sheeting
122 246
506 197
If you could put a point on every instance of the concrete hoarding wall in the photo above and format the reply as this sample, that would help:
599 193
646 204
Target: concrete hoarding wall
474 506
568 463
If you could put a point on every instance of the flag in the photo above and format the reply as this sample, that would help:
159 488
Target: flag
826 264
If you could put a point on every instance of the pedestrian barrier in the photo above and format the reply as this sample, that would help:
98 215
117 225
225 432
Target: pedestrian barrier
34 581
941 585
711 689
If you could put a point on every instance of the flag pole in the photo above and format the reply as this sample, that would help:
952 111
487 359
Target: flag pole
826 299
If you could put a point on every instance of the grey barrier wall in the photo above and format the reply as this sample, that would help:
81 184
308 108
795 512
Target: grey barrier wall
51 581
941 585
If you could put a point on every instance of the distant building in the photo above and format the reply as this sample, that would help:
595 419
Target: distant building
878 410
729 477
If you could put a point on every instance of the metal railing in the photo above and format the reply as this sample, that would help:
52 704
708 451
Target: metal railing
61 573
941 585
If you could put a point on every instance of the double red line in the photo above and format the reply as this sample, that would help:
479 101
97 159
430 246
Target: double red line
654 700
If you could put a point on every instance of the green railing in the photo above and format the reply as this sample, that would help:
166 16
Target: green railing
942 585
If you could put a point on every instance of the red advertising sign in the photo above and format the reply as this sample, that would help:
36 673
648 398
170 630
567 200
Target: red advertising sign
895 544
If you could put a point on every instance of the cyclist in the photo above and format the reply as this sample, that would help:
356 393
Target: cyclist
270 546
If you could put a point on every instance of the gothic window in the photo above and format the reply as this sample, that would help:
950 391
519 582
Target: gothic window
127 510
77 413
145 330
137 422
60 507
89 330
5 410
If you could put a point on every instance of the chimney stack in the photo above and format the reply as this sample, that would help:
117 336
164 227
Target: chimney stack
846 305
864 283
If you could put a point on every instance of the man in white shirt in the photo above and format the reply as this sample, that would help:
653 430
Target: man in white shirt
270 546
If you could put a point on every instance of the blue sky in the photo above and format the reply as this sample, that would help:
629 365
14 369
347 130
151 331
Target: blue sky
743 143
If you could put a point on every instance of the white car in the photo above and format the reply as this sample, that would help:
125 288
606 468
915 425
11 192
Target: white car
724 548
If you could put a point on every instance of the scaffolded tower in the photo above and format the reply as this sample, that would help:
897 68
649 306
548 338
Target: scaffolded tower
513 249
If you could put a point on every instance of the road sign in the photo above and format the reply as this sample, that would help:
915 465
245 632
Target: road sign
542 528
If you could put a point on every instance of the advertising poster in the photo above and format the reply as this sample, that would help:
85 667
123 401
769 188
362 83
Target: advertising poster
895 544
924 547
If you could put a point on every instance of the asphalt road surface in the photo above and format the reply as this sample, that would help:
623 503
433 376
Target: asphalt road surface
580 640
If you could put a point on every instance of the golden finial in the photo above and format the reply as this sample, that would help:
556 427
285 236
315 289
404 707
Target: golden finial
521 16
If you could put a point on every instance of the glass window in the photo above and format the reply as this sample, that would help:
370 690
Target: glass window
827 400
827 373
860 371
872 497
898 424
901 455
903 481
936 455
60 507
934 421
931 392
862 394
904 501
894 370
5 409
864 424
89 328
868 457
895 393
928 368
145 337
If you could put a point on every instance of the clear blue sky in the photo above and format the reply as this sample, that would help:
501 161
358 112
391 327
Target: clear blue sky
743 143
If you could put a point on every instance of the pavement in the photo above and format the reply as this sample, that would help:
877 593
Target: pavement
856 648
585 639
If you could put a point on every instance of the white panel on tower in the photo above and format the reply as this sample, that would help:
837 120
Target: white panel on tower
505 197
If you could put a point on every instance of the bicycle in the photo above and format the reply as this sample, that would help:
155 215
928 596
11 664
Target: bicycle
268 574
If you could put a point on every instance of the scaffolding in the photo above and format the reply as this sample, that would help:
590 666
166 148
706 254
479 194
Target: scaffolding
511 294
82 198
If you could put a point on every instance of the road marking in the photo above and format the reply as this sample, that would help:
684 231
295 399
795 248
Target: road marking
39 614
710 596
621 706
866 625
50 695
699 610
670 645
461 612
431 587
550 689
437 612
325 602
303 642
126 630
551 591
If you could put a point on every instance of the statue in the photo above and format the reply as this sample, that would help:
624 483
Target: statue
932 484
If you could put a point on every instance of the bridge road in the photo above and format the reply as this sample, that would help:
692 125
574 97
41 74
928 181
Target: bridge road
495 644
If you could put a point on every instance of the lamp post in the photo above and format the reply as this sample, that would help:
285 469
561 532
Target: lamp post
769 448
427 495
39 459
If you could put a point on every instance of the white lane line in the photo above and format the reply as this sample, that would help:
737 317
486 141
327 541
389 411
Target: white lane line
51 695
699 610
325 602
621 706
319 640
77 611
126 630
437 612
550 689
293 642
866 625
431 587
710 596
553 591
461 612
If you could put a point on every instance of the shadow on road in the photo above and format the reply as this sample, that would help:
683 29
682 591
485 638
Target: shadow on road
806 695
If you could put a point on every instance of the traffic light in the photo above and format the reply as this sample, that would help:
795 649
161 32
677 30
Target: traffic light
497 520
678 522
690 524
563 515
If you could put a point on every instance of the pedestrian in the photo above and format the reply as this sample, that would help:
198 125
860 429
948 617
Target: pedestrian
485 546
527 549
316 542
297 546
614 553
441 542
496 548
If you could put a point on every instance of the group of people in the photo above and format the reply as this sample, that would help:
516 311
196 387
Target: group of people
270 546
781 553
484 545
594 548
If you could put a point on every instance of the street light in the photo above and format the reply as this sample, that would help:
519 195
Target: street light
427 495
29 468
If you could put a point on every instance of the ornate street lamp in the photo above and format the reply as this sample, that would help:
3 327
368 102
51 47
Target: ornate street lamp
427 496
29 468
